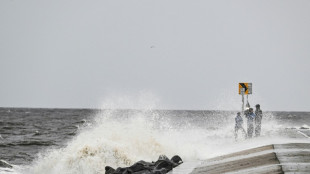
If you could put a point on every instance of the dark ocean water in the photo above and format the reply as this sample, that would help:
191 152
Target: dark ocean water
27 134
24 132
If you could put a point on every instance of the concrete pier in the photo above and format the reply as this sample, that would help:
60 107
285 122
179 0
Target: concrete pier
271 159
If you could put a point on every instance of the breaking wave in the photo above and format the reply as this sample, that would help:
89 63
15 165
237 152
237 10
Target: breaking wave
120 138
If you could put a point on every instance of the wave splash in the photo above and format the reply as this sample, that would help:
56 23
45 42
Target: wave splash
119 138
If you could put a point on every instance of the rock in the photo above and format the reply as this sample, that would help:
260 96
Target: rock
109 170
177 159
162 166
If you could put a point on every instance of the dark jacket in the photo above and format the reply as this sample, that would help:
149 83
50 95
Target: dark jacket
239 121
250 117
259 116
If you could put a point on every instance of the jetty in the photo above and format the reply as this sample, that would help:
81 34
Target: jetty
270 159
292 158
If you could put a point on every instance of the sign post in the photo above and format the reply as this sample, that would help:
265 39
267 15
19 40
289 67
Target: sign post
242 93
244 89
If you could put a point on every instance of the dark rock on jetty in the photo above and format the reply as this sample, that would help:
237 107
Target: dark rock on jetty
162 166
4 164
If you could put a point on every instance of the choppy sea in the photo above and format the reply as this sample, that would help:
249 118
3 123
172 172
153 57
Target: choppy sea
84 141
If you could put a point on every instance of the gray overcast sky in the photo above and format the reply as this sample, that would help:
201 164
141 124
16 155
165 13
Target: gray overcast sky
168 54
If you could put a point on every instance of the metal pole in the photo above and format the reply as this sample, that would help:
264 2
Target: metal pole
242 93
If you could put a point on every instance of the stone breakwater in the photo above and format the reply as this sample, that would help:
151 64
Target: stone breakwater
162 166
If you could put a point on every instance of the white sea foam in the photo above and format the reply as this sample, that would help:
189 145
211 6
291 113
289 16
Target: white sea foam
118 141
305 126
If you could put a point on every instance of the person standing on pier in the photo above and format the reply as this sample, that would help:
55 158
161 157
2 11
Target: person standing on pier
258 120
250 122
238 125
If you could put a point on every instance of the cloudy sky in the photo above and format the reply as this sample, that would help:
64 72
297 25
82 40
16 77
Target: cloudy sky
165 54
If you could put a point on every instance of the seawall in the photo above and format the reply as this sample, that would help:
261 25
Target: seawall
276 158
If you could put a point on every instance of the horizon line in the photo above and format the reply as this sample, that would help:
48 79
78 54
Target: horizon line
158 109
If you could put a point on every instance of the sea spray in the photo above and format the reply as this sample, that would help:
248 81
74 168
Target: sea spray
123 137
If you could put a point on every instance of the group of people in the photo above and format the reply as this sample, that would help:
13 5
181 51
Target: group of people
254 121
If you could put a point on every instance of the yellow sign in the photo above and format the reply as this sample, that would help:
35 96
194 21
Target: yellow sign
247 87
